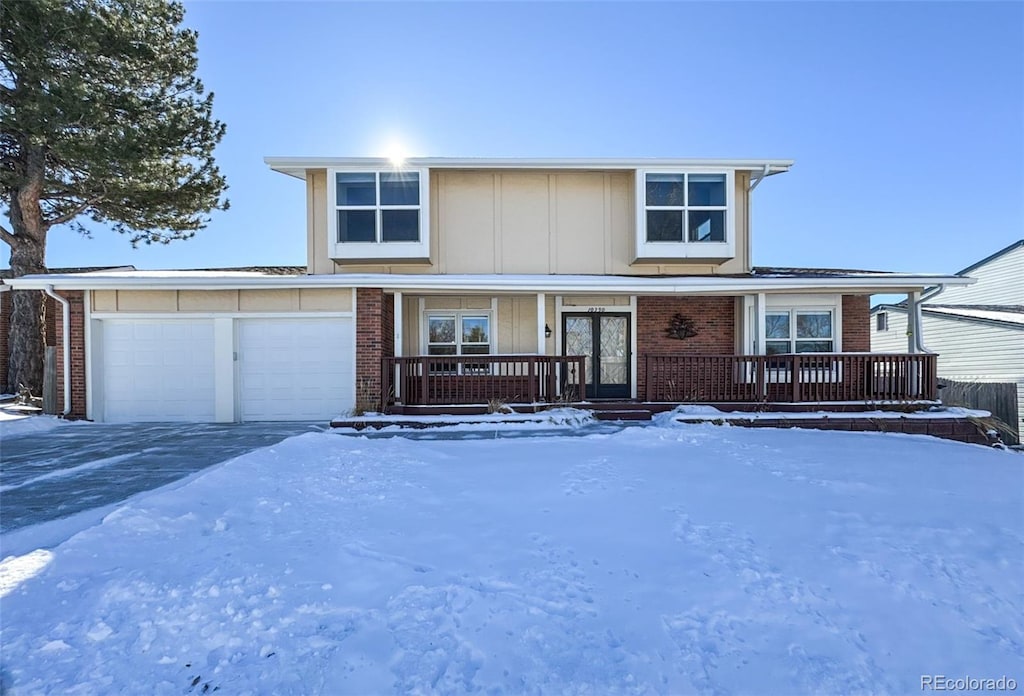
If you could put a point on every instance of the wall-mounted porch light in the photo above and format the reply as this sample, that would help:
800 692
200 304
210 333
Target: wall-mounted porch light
547 331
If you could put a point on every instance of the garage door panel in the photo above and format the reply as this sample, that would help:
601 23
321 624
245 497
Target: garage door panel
295 369
158 370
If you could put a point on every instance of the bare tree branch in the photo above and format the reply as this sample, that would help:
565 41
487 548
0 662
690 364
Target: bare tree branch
74 212
6 236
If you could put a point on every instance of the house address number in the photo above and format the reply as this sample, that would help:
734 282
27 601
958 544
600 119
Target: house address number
595 309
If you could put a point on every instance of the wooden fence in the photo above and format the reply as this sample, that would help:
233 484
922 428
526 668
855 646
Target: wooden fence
999 398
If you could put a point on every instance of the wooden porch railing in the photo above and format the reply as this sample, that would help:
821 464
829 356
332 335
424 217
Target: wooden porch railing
791 378
475 379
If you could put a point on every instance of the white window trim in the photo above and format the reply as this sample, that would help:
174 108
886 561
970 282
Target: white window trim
808 303
791 303
793 339
458 314
404 251
685 249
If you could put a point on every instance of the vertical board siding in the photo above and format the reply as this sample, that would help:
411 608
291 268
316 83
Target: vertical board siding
534 221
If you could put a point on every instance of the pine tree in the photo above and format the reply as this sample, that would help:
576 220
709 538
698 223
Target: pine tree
102 118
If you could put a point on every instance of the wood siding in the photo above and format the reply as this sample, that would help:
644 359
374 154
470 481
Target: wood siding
174 301
514 324
490 221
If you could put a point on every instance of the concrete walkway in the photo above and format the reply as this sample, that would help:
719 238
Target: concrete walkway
54 474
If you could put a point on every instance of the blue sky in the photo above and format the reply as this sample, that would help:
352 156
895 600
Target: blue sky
906 120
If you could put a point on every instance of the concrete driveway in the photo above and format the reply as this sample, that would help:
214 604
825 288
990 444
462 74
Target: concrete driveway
60 472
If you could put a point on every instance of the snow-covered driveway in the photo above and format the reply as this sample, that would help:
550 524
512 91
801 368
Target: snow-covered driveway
695 559
50 473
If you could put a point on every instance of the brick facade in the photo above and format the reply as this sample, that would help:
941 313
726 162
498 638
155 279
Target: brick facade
856 323
713 318
387 314
375 337
951 428
77 300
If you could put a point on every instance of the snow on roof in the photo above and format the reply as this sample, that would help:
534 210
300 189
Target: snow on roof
789 272
1009 314
211 273
6 272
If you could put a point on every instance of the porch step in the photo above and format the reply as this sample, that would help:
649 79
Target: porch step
632 414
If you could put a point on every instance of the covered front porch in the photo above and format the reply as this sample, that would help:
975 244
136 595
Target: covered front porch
544 348
816 379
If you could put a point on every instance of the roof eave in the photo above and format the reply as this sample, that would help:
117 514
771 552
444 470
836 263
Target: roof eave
297 166
497 283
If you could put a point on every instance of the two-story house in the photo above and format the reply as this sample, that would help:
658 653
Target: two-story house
456 281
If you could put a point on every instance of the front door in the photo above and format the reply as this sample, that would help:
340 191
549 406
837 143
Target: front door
603 338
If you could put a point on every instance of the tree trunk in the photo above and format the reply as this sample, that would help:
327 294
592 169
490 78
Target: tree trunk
27 339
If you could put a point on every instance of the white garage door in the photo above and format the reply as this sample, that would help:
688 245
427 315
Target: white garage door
295 369
157 370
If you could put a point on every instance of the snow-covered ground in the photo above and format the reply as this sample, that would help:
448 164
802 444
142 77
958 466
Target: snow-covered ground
14 424
676 559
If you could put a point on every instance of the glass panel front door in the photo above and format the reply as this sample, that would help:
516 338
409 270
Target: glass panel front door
604 341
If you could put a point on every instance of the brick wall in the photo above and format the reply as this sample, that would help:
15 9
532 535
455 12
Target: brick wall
713 318
388 326
370 343
959 429
856 323
77 300
53 317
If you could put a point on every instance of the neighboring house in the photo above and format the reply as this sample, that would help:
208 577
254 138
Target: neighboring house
456 281
977 330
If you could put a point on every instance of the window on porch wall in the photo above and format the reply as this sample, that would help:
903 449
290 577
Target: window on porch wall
805 332
459 334
808 331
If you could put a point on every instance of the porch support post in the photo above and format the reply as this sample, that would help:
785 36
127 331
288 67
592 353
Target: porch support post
541 323
399 321
759 324
914 345
760 337
914 322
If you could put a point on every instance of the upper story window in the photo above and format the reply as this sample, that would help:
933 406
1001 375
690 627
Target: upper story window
685 205
378 214
685 214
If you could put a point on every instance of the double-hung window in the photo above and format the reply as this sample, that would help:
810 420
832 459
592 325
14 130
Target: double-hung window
685 214
378 214
459 333
799 331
